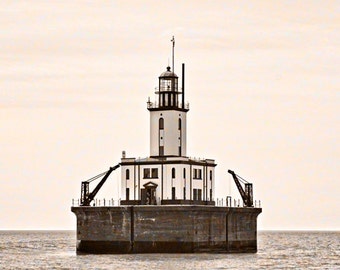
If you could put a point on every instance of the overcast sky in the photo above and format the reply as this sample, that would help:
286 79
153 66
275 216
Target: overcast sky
262 79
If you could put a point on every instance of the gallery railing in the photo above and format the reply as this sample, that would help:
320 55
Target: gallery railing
222 202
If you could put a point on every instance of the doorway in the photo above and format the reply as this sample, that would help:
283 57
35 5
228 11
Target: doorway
149 194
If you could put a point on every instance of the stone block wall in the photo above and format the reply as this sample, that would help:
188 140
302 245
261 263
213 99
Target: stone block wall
167 228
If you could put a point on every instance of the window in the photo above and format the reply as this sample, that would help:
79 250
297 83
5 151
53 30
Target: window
165 96
127 194
161 150
184 194
146 173
150 173
165 84
197 174
179 124
197 194
154 173
162 100
210 194
184 173
161 123
179 150
210 175
127 174
173 173
173 195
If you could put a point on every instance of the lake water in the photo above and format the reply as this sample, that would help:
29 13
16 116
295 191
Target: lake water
276 250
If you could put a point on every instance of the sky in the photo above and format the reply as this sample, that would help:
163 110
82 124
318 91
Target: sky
262 80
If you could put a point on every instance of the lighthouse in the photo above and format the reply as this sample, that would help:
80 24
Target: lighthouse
167 200
168 175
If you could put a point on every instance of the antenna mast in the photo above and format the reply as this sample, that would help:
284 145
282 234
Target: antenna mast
173 54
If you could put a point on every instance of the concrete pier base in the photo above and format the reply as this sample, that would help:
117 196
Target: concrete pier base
166 229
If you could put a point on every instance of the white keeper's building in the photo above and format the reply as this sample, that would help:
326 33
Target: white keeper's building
168 175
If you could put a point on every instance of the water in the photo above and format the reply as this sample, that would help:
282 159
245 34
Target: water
276 250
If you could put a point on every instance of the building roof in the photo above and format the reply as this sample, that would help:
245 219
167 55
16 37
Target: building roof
168 160
168 73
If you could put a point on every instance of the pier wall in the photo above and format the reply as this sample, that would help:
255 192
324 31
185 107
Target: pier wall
166 229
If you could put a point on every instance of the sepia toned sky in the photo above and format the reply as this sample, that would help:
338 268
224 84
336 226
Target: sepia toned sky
262 80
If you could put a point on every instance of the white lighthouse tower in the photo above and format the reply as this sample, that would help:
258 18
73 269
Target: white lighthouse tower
168 118
168 175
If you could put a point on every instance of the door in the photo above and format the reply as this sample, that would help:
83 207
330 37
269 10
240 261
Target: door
148 196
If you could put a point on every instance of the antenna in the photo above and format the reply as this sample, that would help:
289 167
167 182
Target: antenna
183 99
173 54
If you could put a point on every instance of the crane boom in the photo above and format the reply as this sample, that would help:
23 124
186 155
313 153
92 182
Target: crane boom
87 196
247 194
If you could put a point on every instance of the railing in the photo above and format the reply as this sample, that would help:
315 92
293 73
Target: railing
155 105
98 202
199 159
229 202
223 202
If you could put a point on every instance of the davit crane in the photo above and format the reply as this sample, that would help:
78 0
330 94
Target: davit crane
86 196
247 193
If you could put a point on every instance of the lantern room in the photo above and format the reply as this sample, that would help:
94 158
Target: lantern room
168 89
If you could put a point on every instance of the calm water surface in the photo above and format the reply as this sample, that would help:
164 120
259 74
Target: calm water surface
276 250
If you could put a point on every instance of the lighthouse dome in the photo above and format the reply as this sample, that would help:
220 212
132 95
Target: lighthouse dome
168 73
